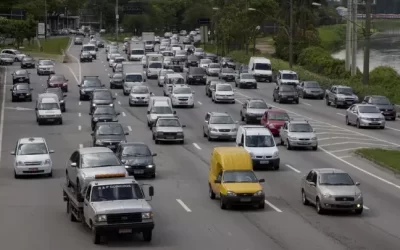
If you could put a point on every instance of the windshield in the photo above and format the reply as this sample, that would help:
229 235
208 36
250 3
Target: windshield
110 130
311 85
91 83
161 110
176 80
286 88
88 48
102 95
214 66
289 76
368 109
380 100
182 91
262 66
149 42
137 52
48 106
345 91
155 65
118 60
197 71
335 179
221 120
136 150
199 50
227 70
258 105
300 128
117 76
259 141
57 78
168 123
239 176
116 192
168 54
22 86
32 149
133 78
27 59
140 90
224 87
96 160
104 111
21 72
45 62
248 76
278 116
205 61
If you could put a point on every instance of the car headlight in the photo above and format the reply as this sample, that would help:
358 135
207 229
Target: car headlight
314 138
122 141
95 119
234 130
94 104
252 155
204 76
147 215
356 98
214 129
276 154
98 142
292 138
179 133
101 218
230 193
61 101
20 163
115 119
327 196
47 162
28 93
82 91
259 193
111 104
150 166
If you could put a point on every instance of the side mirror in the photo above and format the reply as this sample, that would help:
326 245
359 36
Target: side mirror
154 154
174 112
73 164
126 133
151 191
240 144
148 112
118 113
12 153
183 126
261 180
79 85
217 181
51 151
64 95
92 134
36 109
358 184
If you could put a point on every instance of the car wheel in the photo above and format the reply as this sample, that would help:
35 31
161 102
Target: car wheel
383 127
315 148
211 193
147 235
347 121
241 116
261 205
359 211
336 104
16 176
208 136
304 198
221 202
156 141
274 99
318 207
328 103
288 147
358 124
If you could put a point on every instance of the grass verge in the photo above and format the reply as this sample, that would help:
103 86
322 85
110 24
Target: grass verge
385 24
386 158
51 46
111 37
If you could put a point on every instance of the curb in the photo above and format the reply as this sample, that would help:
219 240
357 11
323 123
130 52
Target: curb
379 165
397 108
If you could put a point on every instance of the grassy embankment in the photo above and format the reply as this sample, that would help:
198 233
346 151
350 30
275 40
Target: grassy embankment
111 37
389 159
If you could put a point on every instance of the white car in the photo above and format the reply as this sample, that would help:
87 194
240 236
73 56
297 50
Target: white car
153 69
118 59
204 63
161 76
223 93
139 95
32 157
182 95
112 58
14 53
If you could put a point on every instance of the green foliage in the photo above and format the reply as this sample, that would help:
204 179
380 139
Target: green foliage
18 29
385 158
332 36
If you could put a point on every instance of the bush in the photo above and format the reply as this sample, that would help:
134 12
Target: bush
332 36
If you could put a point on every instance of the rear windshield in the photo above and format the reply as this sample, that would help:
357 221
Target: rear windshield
102 95
197 71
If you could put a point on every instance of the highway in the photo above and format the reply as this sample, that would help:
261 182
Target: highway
34 216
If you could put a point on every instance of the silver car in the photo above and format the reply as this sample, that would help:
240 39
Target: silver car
227 74
246 80
365 115
168 129
331 189
161 76
139 95
298 134
219 126
252 110
45 67
213 69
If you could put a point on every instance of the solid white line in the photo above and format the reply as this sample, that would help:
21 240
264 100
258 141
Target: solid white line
116 94
80 114
342 137
80 145
200 103
119 102
73 74
365 207
392 128
273 206
184 205
346 149
306 103
2 111
123 114
80 103
129 128
345 156
292 168
239 101
79 65
196 146
340 114
351 142
79 127
333 133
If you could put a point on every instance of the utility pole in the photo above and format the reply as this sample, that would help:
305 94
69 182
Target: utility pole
354 39
291 35
101 20
45 19
367 41
116 20
348 34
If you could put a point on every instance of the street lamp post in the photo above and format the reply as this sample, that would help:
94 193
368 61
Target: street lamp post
116 20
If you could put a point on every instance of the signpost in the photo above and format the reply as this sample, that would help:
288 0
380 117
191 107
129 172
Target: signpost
204 22
133 8
41 30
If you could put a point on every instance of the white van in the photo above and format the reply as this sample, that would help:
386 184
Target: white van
260 143
91 49
261 68
130 80
170 80
159 109
155 99
48 109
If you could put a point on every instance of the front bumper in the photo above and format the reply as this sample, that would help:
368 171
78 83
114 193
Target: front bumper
228 78
141 171
263 78
33 170
247 84
2 62
303 143
345 103
182 103
224 98
368 123
266 163
85 95
331 204
274 131
27 66
21 96
164 137
49 119
114 228
45 72
135 101
243 200
389 114
222 135
117 84
113 146
210 73
313 95
86 59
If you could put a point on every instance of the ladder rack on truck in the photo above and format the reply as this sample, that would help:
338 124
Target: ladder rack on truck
74 206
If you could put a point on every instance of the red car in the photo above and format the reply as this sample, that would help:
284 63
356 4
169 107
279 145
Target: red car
274 120
57 81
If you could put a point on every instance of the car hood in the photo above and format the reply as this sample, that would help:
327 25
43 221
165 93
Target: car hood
49 112
228 74
169 129
340 190
25 158
102 102
313 89
223 126
56 83
256 111
214 69
384 106
301 135
21 91
182 95
105 117
264 151
137 161
140 95
121 206
241 188
371 115
288 93
289 81
111 138
346 95
90 89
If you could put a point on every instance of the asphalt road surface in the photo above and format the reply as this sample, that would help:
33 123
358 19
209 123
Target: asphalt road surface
33 215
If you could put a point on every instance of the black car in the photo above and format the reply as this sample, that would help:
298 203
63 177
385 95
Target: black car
212 57
103 114
383 104
176 65
210 87
100 44
21 76
101 97
227 62
285 93
196 76
138 157
88 84
192 61
310 89
85 57
108 134
243 69
21 91
27 63
116 81
58 91
186 41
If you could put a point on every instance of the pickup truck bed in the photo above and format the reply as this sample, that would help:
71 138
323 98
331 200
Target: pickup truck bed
74 206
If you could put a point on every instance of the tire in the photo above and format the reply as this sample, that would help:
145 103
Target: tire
359 211
358 124
68 182
315 148
241 116
297 101
335 104
60 122
50 174
72 217
30 99
96 237
288 147
211 193
383 127
347 121
318 207
328 103
147 235
16 176
262 205
304 198
222 205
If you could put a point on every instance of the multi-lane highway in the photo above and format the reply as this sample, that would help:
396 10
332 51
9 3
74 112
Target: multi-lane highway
34 215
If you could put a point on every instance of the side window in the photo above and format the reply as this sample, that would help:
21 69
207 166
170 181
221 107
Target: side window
242 139
309 176
88 192
314 178
219 177
74 157
207 117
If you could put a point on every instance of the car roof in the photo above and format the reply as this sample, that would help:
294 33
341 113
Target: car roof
256 130
32 140
287 72
219 114
329 170
108 124
124 144
92 150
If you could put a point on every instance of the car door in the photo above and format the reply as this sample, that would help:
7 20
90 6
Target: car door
244 108
332 94
206 122
72 171
284 132
87 207
306 184
264 119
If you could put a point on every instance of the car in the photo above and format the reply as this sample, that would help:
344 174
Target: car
78 41
287 77
118 68
61 97
204 63
6 59
213 69
27 63
101 97
365 115
140 95
331 189
168 129
243 69
210 87
310 89
245 80
116 81
85 56
58 81
227 74
112 58
45 67
100 44
21 75
137 158
48 109
32 157
186 41
196 75
285 93
218 125
85 163
91 48
298 134
21 91
118 59
192 61
159 109
223 93
161 76
252 110
153 69
274 119
103 114
212 57
182 96
227 62
199 52
88 85
180 55
17 55
383 104
340 96
108 134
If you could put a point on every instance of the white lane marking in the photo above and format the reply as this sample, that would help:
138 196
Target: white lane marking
392 128
183 205
73 74
42 85
365 207
342 137
80 103
119 102
306 103
350 142
345 156
79 114
105 69
340 114
79 127
116 94
196 146
123 114
273 206
79 65
332 133
3 103
102 61
108 74
200 103
346 149
129 128
294 169
239 101
80 145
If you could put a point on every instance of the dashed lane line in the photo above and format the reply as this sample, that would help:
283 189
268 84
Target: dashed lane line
79 127
79 114
238 101
342 137
340 114
196 146
293 168
395 129
123 114
273 206
3 103
80 145
184 205
80 103
200 103
129 128
306 103
119 102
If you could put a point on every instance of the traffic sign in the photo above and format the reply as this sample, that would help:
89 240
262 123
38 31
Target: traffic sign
203 20
133 8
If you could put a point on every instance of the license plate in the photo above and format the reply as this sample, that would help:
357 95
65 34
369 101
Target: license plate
182 102
170 137
33 169
21 79
50 120
304 143
258 118
263 79
125 231
264 162
245 199
139 101
290 99
138 171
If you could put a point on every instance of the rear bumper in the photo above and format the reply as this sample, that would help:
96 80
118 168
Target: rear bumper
266 163
243 201
135 227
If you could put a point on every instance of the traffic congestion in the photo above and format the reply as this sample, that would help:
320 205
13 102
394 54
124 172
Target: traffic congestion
156 143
